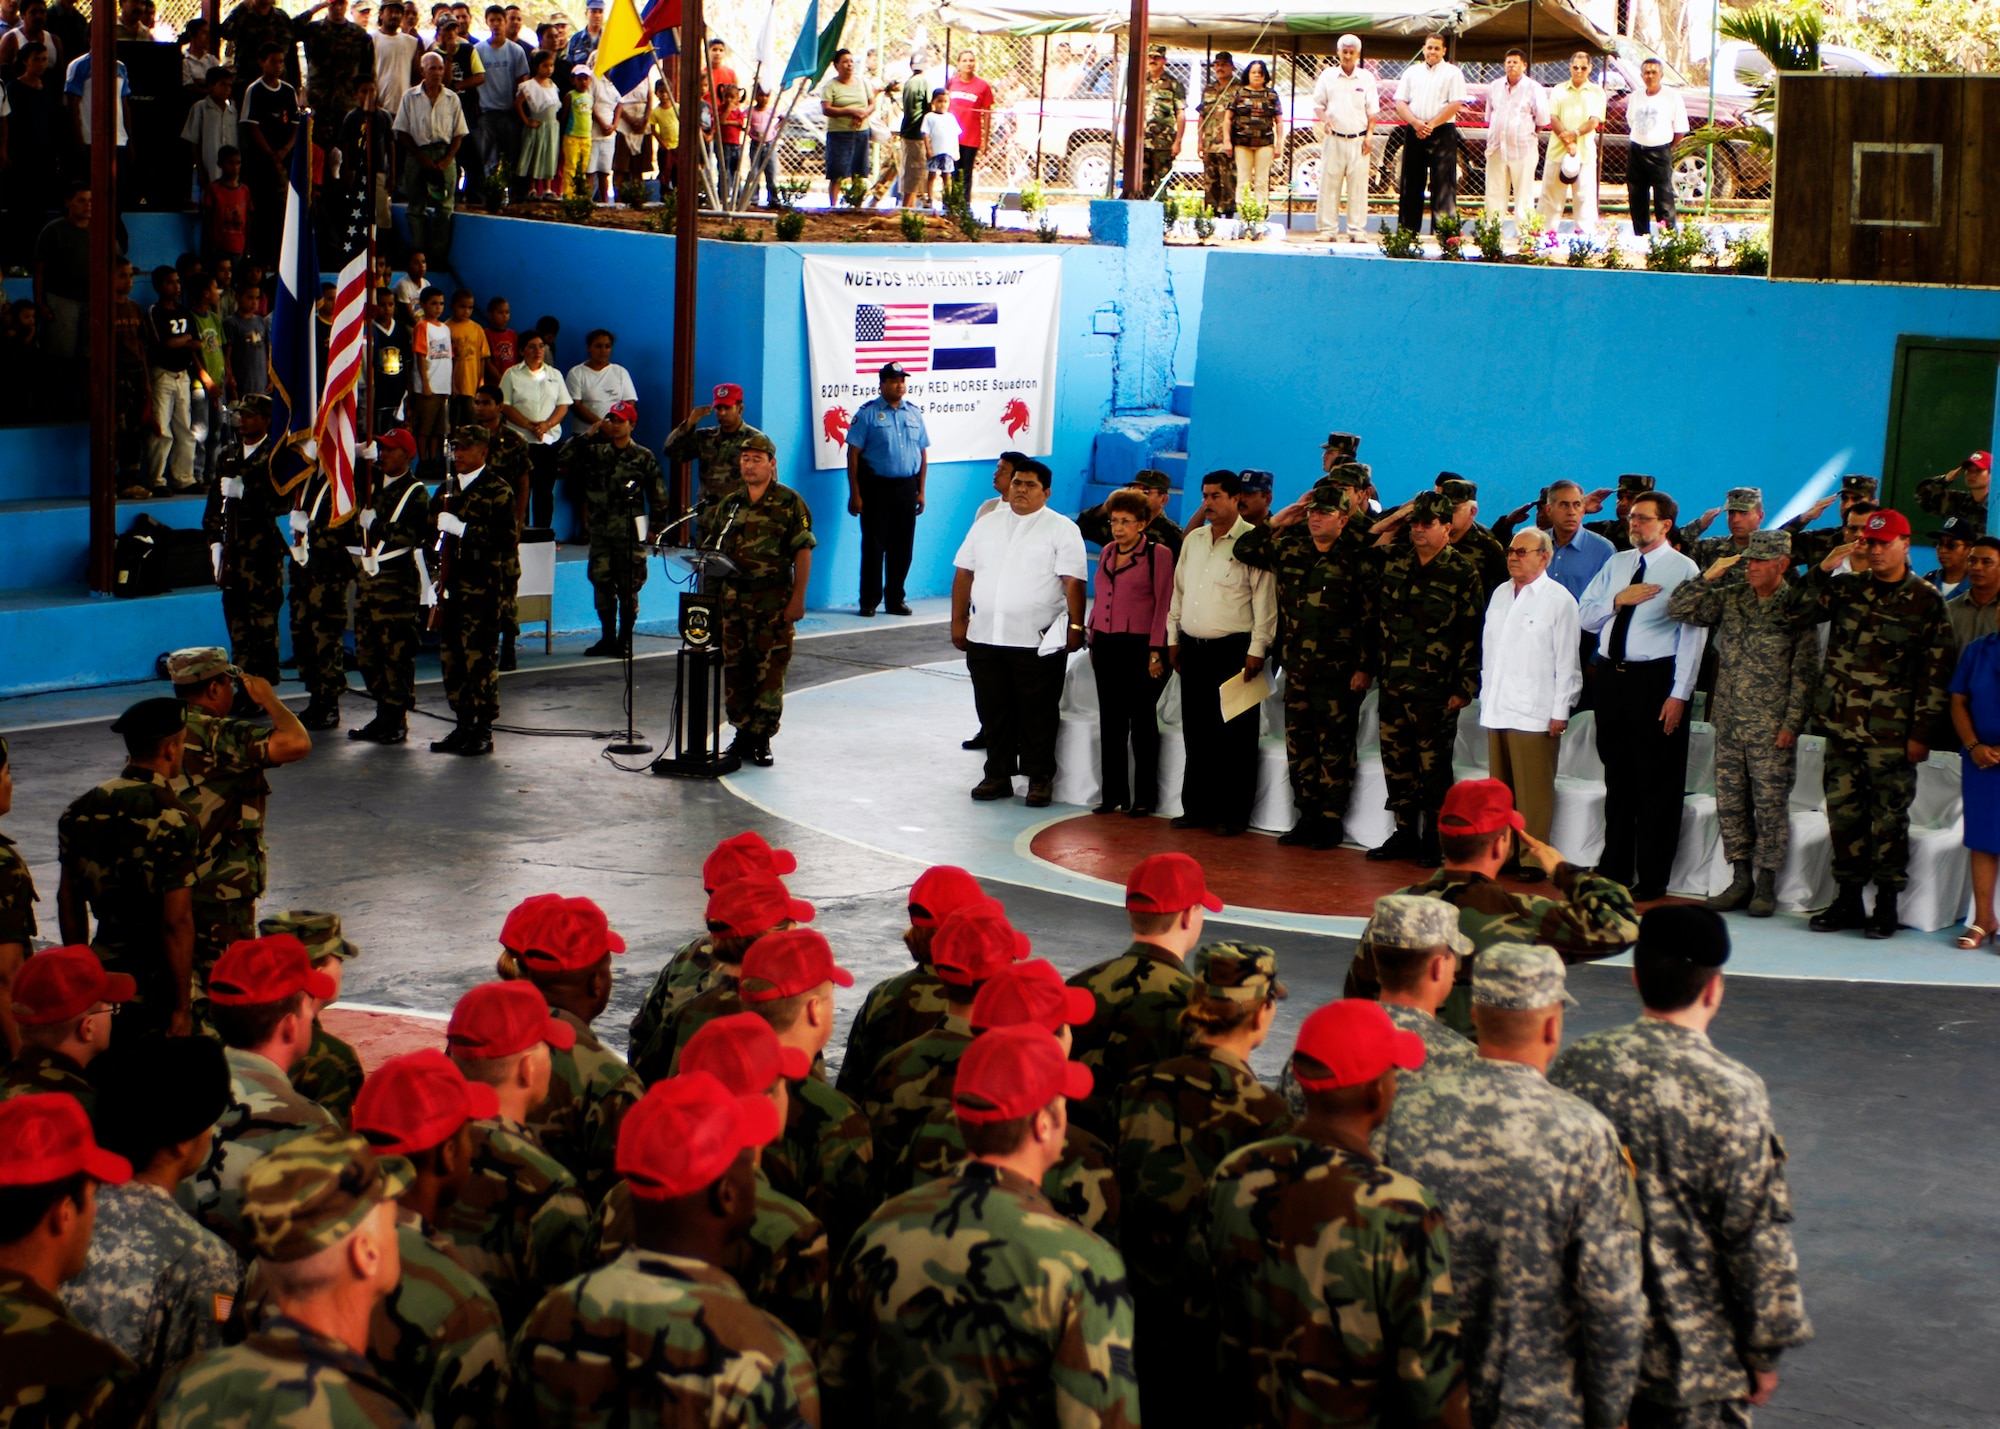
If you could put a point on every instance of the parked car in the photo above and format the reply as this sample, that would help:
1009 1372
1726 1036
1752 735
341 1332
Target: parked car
1741 69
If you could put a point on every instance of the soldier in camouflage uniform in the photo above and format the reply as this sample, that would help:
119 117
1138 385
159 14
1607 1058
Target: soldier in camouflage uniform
714 450
66 1003
330 1071
17 909
249 27
766 529
968 1299
54 1372
1329 1276
1472 540
1631 486
222 781
1722 1282
1767 668
438 1338
321 571
1809 548
1326 619
666 1336
622 486
157 1284
1743 508
1539 1201
1429 611
1889 658
517 1223
130 851
912 1002
392 588
1166 119
320 1215
1177 1122
507 457
1218 155
1156 486
244 507
1960 492
262 996
340 59
480 570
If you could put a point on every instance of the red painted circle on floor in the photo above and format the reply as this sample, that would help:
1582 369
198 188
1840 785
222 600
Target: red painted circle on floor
378 1036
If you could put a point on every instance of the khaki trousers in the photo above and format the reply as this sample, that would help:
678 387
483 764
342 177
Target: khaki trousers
1509 181
1343 163
1525 761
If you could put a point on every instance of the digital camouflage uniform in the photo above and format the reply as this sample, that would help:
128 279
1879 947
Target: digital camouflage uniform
253 555
1326 609
909 1084
125 845
1944 496
1722 1277
318 594
902 1007
1218 155
222 781
660 1339
590 1090
286 1374
1767 669
1544 1228
1889 659
43 1069
517 1223
247 32
388 613
825 1158
157 1284
477 591
1330 1277
1082 1186
1428 641
438 1337
970 1301
620 484
17 897
763 538
55 1373
1140 995
264 1113
714 453
1166 97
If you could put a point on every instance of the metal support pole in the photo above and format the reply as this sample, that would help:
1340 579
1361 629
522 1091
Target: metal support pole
687 205
1042 111
1291 107
1708 188
102 387
1136 101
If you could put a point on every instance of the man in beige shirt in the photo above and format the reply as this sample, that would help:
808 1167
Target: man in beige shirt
1569 172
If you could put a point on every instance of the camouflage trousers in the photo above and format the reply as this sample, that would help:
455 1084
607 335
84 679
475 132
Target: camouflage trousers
253 588
756 653
1868 792
1321 715
604 588
388 628
319 618
1716 1414
470 652
1218 181
1159 164
1753 788
1418 733
217 924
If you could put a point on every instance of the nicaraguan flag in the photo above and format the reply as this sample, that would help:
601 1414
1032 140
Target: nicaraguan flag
962 336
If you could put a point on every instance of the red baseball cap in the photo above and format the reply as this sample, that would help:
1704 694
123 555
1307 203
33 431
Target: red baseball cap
1982 460
791 960
622 412
743 1053
499 1019
686 1131
976 942
1014 1072
419 1100
1885 526
399 438
1168 883
570 935
524 921
269 969
48 1139
727 394
1033 993
1479 806
939 892
756 904
741 855
1355 1040
62 983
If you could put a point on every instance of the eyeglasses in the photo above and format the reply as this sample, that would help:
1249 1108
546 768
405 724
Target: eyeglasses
106 1009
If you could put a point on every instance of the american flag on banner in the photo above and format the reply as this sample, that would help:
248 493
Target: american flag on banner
333 425
892 332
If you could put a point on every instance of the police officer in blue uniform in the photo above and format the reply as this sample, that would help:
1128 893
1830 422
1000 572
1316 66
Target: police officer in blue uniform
887 461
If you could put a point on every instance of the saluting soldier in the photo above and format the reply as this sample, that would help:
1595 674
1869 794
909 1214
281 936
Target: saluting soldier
1743 510
330 1071
321 571
66 1003
1960 492
1631 486
626 499
480 569
766 529
1722 1298
1166 120
1809 548
714 450
241 519
393 588
912 1002
1157 487
1469 538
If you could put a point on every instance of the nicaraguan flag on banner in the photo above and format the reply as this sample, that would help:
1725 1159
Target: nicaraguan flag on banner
963 336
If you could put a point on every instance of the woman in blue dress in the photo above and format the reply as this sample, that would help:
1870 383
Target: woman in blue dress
1975 714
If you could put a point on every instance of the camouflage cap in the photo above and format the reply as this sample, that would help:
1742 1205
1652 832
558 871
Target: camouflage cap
1633 483
1855 484
320 932
311 1193
1325 496
1743 498
1351 474
1410 922
1457 489
199 664
255 403
1237 972
1158 51
1430 506
1341 442
471 434
1152 479
761 443
1769 545
1519 977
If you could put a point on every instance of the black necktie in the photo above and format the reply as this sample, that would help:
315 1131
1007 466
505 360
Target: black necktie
1622 622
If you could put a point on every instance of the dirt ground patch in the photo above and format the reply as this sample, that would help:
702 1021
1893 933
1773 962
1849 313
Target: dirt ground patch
868 226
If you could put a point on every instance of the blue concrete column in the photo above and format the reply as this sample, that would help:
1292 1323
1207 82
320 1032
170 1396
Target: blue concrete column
1149 318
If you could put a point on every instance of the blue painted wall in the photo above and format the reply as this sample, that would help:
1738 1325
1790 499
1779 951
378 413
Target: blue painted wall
1705 382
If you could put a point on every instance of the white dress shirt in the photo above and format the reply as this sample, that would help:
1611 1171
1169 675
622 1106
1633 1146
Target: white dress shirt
1653 634
1528 672
1656 118
1348 101
1427 88
1216 595
1018 564
1514 112
430 123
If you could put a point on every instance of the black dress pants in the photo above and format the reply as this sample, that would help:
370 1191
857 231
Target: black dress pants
888 531
1127 697
1428 163
1645 771
1650 180
1220 783
1019 697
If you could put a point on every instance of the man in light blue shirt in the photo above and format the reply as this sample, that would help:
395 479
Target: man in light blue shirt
506 67
1644 677
1579 554
887 462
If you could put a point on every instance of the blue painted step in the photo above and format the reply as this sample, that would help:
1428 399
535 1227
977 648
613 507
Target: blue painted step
1183 399
42 462
46 540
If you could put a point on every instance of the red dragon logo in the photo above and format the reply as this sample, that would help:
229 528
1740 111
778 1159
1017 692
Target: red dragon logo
833 426
1015 417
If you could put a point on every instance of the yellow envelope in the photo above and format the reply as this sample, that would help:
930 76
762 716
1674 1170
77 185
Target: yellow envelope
1240 693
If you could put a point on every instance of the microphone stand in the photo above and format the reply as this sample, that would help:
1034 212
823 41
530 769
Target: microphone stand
632 743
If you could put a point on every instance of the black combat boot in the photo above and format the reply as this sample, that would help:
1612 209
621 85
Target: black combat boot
1882 922
1737 894
1330 833
321 713
1402 844
1844 912
371 731
453 742
1303 832
478 740
507 660
607 645
761 756
1430 853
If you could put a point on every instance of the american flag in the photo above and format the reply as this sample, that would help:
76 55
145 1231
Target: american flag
333 425
892 332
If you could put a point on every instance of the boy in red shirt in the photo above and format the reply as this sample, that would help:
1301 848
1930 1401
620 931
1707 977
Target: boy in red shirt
226 209
503 342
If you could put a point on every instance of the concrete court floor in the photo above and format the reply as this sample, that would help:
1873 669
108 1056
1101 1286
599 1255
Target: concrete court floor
1884 1094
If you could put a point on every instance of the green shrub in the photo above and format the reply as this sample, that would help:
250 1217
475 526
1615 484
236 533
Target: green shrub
1400 242
1752 252
911 221
791 226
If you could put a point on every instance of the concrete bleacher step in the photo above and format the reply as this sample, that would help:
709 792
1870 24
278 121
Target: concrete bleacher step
43 462
1129 443
47 540
1183 400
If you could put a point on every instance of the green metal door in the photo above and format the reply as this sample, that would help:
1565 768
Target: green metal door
1940 408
